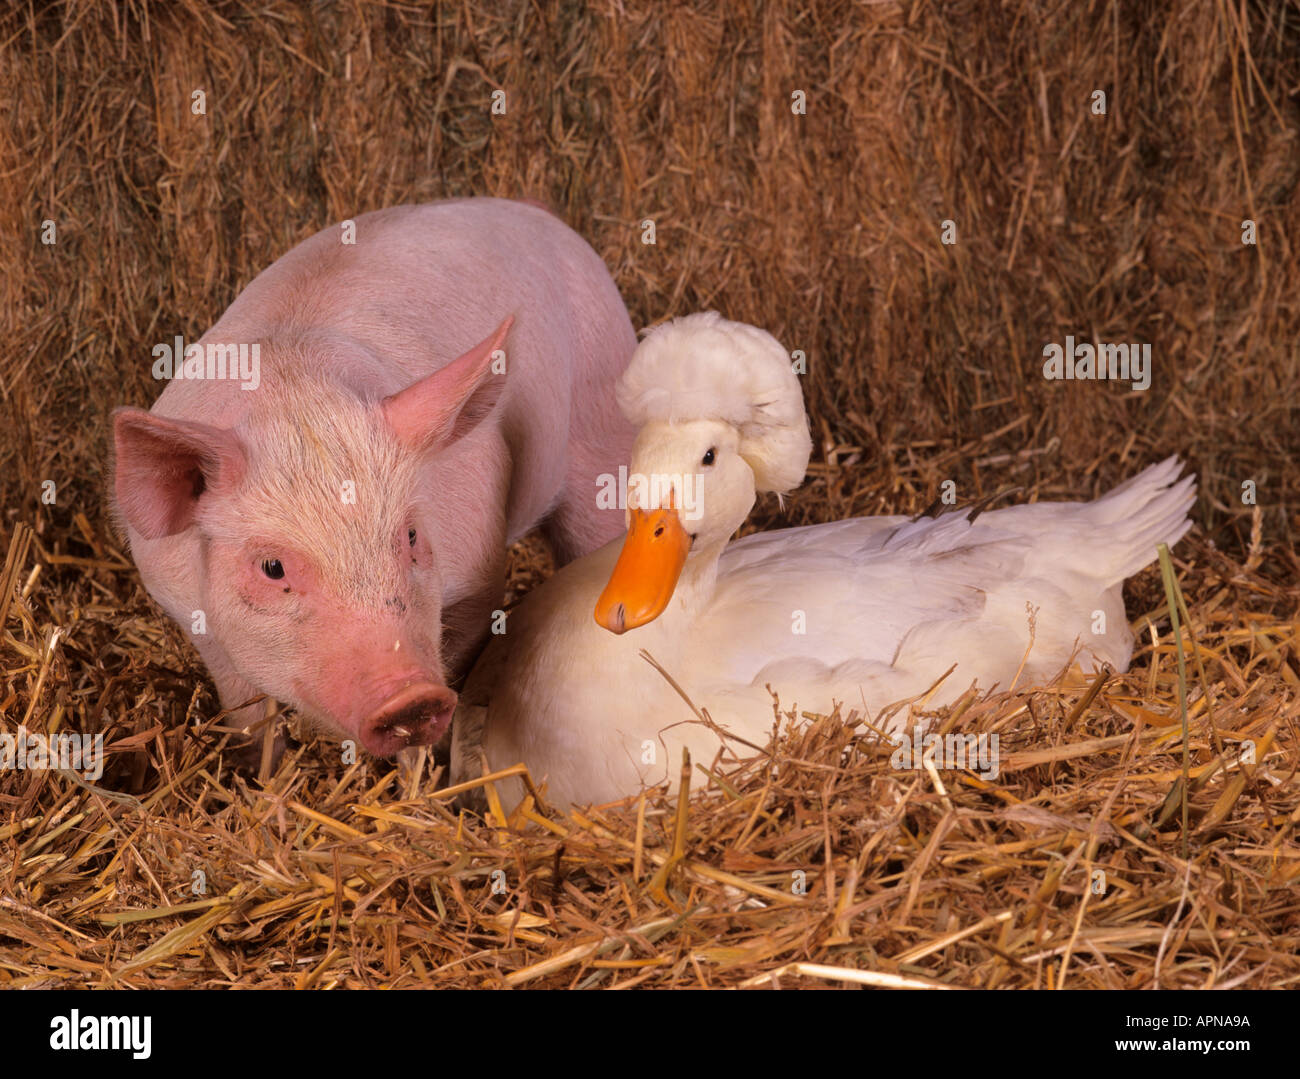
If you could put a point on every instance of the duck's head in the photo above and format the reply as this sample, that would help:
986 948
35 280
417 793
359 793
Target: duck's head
721 417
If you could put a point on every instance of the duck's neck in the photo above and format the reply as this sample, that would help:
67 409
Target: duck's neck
699 577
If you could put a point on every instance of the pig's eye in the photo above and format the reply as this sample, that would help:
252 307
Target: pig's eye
708 457
410 536
273 568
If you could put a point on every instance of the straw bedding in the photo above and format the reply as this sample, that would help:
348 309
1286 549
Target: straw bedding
1087 862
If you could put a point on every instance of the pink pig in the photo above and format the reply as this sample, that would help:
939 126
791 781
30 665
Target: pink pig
336 537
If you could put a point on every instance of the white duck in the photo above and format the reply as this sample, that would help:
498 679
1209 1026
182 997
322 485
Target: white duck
862 612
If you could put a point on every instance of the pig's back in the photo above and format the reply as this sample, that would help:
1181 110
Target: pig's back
421 285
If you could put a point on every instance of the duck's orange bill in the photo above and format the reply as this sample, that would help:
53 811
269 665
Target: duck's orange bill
646 572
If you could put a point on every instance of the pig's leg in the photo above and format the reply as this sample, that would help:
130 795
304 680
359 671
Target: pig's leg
245 751
465 760
466 625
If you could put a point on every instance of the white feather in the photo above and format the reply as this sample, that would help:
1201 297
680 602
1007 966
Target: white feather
705 367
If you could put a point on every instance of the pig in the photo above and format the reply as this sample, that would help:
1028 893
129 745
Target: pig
332 530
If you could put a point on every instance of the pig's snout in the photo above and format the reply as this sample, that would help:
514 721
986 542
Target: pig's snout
417 716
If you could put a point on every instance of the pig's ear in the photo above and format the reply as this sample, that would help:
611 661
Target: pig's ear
449 403
162 467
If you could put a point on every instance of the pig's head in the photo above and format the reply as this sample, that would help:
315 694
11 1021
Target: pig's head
316 576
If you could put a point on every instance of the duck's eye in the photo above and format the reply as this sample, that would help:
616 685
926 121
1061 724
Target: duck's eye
659 531
410 536
273 568
708 457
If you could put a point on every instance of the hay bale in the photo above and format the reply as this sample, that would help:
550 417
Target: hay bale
924 366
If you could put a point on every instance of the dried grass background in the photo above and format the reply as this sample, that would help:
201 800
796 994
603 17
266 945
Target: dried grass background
924 366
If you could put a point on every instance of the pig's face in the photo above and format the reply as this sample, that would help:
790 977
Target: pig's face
320 581
317 574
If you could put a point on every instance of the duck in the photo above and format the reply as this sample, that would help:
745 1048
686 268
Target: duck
675 637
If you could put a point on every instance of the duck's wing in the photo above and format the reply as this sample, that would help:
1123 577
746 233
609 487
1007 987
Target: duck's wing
851 591
867 596
845 537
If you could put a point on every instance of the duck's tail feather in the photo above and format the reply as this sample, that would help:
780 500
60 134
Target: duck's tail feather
1147 510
